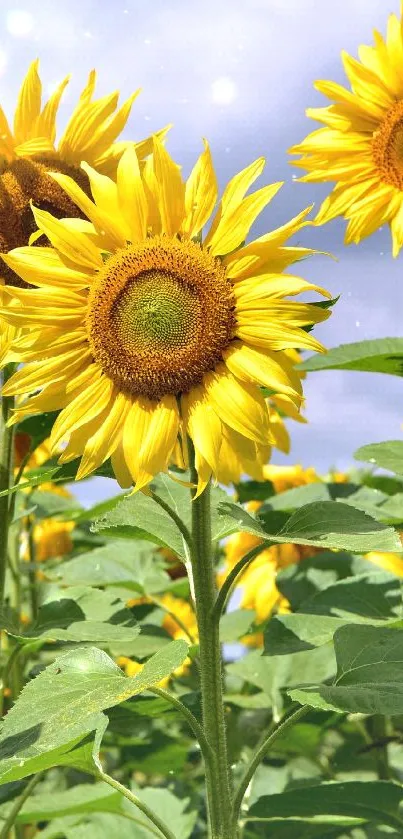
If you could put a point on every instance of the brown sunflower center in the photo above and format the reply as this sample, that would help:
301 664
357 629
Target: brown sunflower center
159 316
24 180
387 147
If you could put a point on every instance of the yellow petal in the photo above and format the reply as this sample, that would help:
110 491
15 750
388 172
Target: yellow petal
203 425
107 223
107 131
45 267
251 258
83 408
75 246
131 196
276 337
200 194
170 189
238 404
28 104
120 469
235 225
274 286
149 436
46 122
85 120
39 373
263 367
6 137
264 312
103 443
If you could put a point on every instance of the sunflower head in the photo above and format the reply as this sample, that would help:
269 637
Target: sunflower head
29 151
360 146
150 335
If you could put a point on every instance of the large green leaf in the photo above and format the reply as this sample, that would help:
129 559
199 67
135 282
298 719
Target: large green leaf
272 675
369 673
301 580
327 524
382 355
130 565
371 801
49 504
235 624
387 455
100 797
138 516
62 706
84 614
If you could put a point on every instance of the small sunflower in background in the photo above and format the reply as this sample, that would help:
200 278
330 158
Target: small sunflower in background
361 145
141 335
51 537
29 150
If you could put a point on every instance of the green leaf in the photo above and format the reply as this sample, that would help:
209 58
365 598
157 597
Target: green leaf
38 427
273 674
388 455
57 710
327 524
369 673
235 624
101 798
138 516
370 801
383 355
134 566
301 580
49 504
84 614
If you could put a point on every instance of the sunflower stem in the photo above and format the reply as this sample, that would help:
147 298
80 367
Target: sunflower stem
6 476
218 777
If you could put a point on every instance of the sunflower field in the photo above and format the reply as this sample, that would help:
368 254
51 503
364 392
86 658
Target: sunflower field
208 643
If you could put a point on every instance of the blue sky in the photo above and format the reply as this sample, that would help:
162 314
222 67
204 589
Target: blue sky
241 74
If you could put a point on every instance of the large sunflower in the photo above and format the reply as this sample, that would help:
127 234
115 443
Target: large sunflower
29 150
142 335
361 147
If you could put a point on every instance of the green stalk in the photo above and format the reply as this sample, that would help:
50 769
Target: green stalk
378 727
162 827
218 779
260 752
9 822
6 476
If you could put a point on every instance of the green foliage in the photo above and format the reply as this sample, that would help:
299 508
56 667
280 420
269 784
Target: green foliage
374 801
369 672
61 707
383 355
324 524
388 455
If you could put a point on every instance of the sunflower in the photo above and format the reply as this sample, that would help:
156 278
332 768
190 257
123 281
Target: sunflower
142 335
361 147
29 150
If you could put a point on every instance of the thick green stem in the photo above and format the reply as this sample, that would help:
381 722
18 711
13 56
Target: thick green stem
6 477
378 727
218 776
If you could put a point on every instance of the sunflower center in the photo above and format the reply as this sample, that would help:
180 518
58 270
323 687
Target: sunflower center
159 316
25 179
387 147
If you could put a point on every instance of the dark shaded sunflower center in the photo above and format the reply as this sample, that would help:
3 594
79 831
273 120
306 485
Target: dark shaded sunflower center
160 316
387 147
24 180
